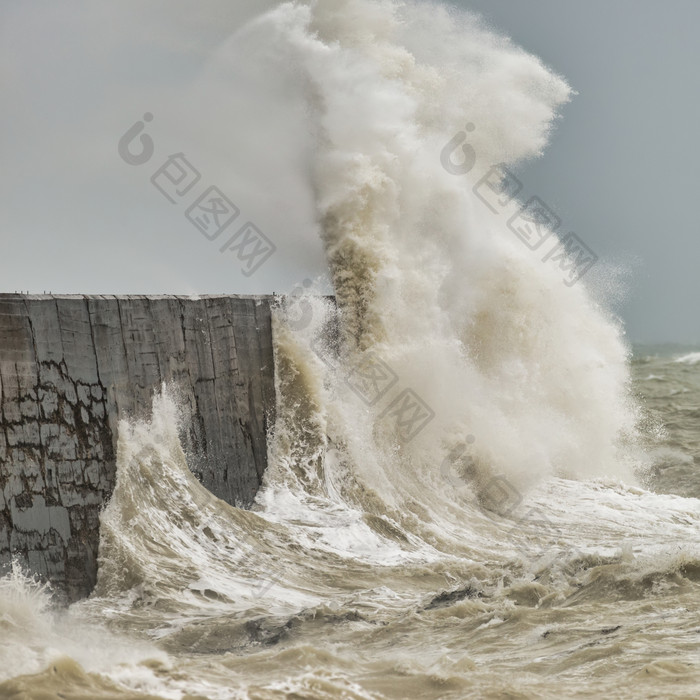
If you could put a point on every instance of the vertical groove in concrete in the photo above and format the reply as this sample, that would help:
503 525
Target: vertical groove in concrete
70 367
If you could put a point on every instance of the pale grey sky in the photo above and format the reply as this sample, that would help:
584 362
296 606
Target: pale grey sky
76 75
620 169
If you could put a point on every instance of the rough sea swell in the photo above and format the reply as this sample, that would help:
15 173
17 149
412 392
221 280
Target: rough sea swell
460 499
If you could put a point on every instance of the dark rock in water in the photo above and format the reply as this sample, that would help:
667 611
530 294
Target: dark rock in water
442 600
72 366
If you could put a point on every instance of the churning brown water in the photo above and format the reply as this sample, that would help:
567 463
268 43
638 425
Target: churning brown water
586 589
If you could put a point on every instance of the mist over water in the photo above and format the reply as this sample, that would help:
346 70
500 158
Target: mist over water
469 494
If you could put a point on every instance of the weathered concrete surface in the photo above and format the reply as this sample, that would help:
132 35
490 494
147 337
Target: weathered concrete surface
71 366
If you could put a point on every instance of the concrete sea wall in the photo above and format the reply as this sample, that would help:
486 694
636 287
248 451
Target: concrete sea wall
71 366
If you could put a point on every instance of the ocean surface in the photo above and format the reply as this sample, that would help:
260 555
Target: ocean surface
475 487
586 588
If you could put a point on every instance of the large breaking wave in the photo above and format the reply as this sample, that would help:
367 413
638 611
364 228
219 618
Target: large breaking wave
456 428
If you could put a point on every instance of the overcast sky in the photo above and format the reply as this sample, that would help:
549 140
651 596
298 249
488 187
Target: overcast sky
76 218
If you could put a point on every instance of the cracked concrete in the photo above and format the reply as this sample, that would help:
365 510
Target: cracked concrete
71 366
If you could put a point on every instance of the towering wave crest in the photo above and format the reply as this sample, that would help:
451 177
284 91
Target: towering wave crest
453 372
525 374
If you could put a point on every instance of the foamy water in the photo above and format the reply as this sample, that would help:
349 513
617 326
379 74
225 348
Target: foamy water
466 496
691 358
